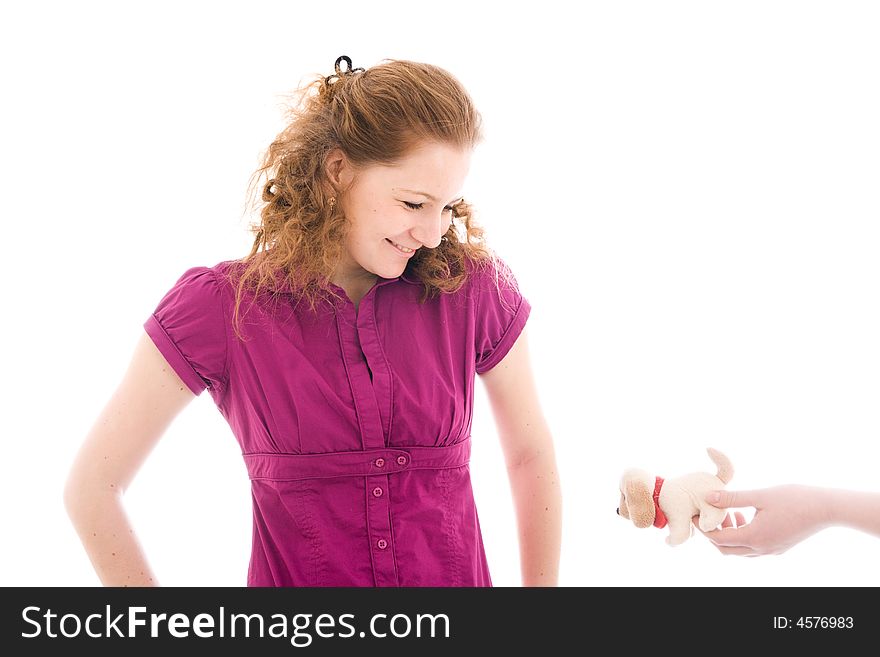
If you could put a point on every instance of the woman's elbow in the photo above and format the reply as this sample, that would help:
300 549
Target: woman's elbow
75 495
85 492
533 456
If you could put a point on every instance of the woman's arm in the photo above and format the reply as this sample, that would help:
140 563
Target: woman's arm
531 463
148 398
855 509
786 515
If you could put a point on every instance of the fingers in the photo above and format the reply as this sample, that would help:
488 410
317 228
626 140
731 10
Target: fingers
730 537
726 499
735 536
738 551
732 522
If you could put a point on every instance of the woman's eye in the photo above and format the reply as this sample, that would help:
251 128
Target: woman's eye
419 206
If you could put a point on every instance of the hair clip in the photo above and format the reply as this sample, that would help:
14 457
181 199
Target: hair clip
339 71
349 69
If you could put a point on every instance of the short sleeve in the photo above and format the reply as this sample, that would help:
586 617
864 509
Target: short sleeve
189 329
501 314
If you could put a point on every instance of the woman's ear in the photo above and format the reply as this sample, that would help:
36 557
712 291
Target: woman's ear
338 170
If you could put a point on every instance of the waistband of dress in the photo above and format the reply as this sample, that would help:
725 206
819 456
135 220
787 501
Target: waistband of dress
382 461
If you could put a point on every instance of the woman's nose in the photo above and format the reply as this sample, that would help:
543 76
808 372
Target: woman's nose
430 229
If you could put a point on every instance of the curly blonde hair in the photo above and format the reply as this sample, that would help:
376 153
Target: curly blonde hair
373 116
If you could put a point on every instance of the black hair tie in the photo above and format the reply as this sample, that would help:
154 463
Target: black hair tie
339 70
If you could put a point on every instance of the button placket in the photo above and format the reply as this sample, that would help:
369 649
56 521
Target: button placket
378 499
370 380
379 528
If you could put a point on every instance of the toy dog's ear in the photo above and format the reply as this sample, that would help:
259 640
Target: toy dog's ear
639 503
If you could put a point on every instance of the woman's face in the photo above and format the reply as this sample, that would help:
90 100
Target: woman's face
395 210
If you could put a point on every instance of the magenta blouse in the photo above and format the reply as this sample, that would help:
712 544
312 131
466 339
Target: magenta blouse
354 425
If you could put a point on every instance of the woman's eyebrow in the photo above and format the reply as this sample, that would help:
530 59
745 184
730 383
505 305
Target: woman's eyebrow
429 196
425 194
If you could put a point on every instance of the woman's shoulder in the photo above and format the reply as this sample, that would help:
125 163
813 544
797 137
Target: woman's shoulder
265 279
226 268
227 273
199 288
491 273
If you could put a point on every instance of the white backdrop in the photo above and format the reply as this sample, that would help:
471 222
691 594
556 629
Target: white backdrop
687 192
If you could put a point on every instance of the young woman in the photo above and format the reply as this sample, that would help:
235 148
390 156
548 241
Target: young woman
343 352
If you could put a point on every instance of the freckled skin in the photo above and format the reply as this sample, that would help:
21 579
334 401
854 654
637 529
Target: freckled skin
131 422
374 202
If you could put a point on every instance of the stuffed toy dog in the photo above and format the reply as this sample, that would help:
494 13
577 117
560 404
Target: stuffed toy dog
649 500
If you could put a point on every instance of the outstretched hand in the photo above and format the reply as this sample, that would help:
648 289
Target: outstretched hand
784 516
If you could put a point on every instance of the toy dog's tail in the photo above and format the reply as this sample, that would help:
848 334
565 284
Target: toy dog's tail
725 467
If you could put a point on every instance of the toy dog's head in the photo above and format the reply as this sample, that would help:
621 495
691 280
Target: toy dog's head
648 500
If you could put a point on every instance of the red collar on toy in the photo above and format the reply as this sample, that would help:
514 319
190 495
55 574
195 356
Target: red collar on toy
659 516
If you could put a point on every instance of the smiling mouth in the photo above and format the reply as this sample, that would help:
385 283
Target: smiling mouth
404 250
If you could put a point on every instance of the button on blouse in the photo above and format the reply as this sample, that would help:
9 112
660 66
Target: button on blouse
354 426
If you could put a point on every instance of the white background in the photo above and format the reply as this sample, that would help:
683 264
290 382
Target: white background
687 192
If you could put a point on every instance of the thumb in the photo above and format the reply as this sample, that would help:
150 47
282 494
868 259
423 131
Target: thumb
725 499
